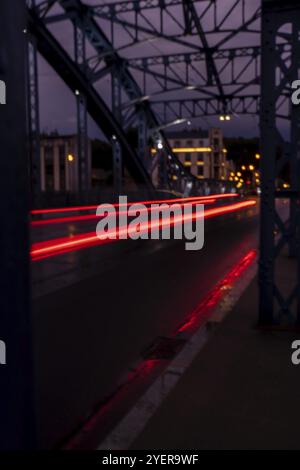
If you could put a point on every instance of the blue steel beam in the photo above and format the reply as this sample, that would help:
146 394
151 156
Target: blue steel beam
17 414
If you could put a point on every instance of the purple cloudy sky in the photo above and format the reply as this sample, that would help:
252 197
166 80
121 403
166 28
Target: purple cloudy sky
57 102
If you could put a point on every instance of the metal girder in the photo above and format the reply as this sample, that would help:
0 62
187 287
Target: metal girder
117 165
235 66
33 116
116 95
276 306
17 404
192 19
138 108
122 78
199 107
66 68
189 57
137 6
143 138
82 127
122 13
43 7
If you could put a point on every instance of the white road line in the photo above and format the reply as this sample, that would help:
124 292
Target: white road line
128 429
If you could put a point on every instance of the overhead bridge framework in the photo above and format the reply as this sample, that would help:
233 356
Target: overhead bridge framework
75 78
205 76
132 96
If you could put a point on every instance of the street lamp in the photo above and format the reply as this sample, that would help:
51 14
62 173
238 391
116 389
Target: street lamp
225 117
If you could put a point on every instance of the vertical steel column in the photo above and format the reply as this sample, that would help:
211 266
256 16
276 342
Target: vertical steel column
116 95
295 139
33 117
17 424
142 139
276 14
268 152
116 102
163 168
117 165
295 158
82 131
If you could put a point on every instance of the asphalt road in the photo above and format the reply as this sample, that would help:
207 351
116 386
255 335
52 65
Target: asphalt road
97 309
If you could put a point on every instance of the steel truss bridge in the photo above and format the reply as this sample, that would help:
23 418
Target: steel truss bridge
212 57
208 75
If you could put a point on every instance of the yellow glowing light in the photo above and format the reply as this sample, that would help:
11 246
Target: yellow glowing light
191 149
187 163
251 167
286 185
232 173
236 178
257 181
225 150
243 168
239 173
70 158
174 178
200 163
257 156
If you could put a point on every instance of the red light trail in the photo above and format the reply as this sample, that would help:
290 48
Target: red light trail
143 370
216 294
84 218
94 207
49 248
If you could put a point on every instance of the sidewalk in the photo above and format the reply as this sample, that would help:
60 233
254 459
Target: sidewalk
241 391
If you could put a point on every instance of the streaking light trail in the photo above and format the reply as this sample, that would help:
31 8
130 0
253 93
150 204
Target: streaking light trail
49 248
146 203
88 217
149 366
221 289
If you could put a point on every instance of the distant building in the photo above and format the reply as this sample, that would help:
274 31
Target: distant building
202 152
59 163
